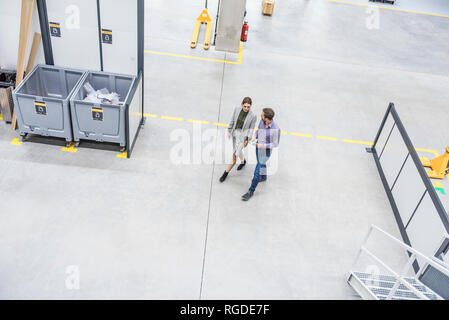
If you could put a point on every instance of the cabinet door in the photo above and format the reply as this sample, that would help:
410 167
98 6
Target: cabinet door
74 33
119 25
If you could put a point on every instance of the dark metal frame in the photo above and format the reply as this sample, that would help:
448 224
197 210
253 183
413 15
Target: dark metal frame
216 22
100 40
131 141
45 32
48 52
427 183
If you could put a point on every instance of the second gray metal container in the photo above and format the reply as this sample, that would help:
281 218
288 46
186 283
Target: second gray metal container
101 122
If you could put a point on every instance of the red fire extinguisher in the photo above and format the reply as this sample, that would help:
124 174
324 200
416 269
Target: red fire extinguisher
245 27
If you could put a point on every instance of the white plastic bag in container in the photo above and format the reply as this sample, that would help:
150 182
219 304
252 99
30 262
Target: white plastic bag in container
101 96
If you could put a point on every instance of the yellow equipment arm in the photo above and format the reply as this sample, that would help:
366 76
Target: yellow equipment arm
196 31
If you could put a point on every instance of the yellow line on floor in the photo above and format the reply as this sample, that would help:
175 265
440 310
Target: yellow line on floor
301 135
218 124
198 121
172 118
326 138
386 8
1 117
428 150
122 155
358 142
239 61
305 135
438 184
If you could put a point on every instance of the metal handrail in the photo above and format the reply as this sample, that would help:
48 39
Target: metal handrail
410 249
442 267
443 263
397 276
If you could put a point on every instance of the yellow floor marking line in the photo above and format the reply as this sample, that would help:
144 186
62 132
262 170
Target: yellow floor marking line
122 155
304 135
438 184
301 135
198 121
16 142
70 148
393 9
172 118
1 117
429 151
239 61
218 124
326 138
358 142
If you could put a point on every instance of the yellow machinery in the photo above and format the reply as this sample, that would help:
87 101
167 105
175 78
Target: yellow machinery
203 18
439 165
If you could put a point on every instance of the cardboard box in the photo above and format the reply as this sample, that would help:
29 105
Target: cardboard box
6 103
267 7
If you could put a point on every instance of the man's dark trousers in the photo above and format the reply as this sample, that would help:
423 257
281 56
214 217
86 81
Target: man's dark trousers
261 169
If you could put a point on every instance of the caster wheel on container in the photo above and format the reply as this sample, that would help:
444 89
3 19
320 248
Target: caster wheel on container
122 149
24 137
67 144
77 144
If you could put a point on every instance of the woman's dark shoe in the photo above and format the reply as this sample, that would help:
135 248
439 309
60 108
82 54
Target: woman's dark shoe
223 177
240 167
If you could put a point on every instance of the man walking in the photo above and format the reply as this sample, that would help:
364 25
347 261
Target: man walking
267 137
241 128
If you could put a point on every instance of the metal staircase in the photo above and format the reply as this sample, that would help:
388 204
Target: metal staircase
380 287
395 286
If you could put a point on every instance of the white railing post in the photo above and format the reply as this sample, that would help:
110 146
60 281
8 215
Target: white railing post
365 240
404 271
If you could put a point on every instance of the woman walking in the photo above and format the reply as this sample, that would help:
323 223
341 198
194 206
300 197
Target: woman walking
241 128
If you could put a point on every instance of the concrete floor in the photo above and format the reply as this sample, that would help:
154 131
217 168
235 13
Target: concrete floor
151 228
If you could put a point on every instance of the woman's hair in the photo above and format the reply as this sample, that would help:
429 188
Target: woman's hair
248 101
268 113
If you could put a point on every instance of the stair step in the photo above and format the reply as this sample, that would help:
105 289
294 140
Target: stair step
381 285
398 293
364 275
374 282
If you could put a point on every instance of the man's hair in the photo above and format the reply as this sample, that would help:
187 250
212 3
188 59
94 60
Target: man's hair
268 113
248 101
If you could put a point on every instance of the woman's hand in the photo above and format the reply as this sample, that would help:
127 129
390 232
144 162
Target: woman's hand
245 144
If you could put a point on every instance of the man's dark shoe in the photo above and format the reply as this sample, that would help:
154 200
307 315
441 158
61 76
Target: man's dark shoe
240 167
223 177
262 178
247 196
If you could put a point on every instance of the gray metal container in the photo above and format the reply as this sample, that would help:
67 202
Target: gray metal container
101 122
42 101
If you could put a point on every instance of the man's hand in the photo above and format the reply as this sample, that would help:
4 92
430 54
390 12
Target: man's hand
260 145
245 144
